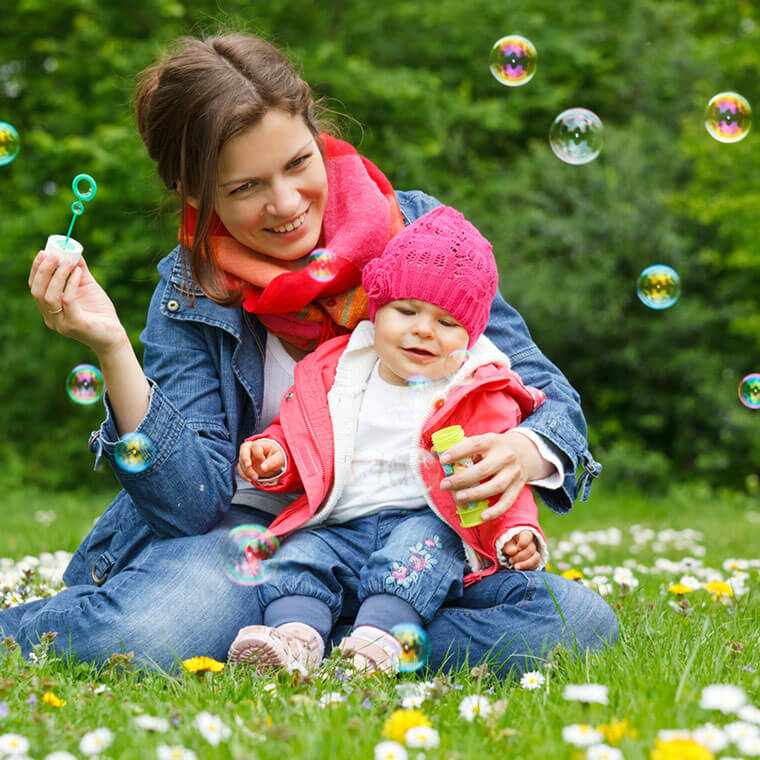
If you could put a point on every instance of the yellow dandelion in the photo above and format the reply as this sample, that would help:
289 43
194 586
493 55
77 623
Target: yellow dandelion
616 730
401 721
573 575
681 749
50 698
719 589
679 589
199 664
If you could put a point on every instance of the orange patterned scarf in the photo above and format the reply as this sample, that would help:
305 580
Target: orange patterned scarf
303 307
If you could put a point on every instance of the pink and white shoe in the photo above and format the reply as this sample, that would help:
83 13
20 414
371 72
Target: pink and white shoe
371 650
293 647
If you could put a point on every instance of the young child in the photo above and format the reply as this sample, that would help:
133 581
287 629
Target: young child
396 542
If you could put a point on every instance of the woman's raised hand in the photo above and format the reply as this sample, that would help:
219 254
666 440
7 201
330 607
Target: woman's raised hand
73 303
505 461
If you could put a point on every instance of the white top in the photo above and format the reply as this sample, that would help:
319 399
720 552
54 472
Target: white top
381 478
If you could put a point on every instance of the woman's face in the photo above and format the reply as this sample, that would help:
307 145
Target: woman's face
272 187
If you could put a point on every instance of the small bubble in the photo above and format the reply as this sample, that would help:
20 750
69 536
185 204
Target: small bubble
49 187
247 554
50 64
749 391
9 143
323 265
12 88
513 60
658 287
415 646
84 384
576 136
454 362
728 117
134 452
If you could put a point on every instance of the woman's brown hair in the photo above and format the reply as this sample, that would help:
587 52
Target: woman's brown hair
191 103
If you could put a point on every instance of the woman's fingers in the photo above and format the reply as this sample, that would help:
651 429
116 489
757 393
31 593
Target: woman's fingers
493 458
39 277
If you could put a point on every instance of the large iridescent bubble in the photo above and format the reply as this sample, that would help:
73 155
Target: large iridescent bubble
728 117
576 136
9 143
415 646
658 286
513 60
84 384
323 265
749 391
134 452
246 554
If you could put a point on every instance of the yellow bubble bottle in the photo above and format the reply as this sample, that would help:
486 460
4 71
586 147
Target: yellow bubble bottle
443 440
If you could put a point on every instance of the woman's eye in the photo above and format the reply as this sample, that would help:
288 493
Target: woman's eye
242 188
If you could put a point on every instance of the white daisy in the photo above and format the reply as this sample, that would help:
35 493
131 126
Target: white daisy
749 746
422 737
586 692
212 728
473 706
270 688
331 698
603 752
412 701
390 751
749 713
532 680
151 723
581 735
13 744
94 742
740 730
724 697
60 755
690 582
165 752
710 736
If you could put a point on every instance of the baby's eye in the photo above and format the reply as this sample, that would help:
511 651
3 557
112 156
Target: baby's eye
406 312
300 161
448 324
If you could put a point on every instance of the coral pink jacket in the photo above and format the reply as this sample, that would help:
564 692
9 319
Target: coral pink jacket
318 419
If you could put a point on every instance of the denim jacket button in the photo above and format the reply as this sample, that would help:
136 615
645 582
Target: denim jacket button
172 305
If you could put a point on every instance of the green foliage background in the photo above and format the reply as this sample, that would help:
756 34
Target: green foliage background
659 388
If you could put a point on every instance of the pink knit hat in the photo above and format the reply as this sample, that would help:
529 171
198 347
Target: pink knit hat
442 259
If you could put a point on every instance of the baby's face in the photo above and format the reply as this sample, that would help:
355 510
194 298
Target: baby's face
414 338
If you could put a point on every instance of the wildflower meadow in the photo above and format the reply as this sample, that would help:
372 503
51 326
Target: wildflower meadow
681 571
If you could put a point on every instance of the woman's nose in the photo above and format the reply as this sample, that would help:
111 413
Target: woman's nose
284 200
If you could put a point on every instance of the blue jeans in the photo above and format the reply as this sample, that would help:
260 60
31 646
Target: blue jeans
173 601
410 555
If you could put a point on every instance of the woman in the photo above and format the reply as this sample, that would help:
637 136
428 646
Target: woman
233 131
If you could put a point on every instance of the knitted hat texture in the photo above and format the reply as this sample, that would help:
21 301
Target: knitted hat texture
441 258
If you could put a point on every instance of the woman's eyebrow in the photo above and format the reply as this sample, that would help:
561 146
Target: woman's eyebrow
254 179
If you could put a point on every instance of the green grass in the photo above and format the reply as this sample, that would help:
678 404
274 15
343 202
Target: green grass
654 675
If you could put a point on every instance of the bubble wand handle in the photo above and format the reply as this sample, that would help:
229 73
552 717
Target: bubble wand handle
82 197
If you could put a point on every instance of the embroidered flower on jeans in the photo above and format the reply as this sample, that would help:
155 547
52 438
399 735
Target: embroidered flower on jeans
401 576
431 542
417 562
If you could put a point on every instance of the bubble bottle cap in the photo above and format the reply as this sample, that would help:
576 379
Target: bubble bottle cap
447 437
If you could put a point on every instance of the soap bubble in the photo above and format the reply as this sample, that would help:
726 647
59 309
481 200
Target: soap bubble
658 286
513 60
576 136
134 452
323 265
728 117
9 143
415 646
418 382
454 361
246 554
749 391
85 384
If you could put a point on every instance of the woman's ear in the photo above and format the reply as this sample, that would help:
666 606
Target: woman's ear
192 201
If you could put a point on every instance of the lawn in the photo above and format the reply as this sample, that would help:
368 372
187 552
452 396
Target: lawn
631 548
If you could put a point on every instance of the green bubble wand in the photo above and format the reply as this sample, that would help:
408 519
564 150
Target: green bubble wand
77 207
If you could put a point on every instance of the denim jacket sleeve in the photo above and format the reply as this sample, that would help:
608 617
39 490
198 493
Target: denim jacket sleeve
188 484
560 419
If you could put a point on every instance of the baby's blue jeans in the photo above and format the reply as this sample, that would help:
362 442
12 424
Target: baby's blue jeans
395 566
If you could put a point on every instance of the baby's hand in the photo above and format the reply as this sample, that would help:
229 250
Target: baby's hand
522 551
260 459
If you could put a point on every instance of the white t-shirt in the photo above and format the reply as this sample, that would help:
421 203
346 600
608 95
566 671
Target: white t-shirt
381 477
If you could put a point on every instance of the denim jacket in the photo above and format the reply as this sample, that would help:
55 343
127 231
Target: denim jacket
205 366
